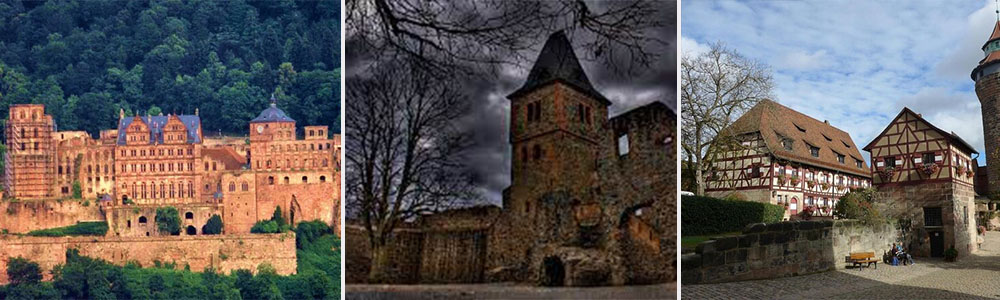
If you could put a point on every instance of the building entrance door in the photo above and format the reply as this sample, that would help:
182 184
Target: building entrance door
937 243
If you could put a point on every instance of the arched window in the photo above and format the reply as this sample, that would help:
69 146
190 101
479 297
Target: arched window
270 180
180 188
286 180
173 190
322 179
268 163
143 190
305 179
142 219
326 162
190 189
232 186
246 187
188 216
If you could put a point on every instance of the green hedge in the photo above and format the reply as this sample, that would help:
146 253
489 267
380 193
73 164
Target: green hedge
82 228
707 215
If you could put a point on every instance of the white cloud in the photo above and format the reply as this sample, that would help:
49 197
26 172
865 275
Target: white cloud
803 61
692 47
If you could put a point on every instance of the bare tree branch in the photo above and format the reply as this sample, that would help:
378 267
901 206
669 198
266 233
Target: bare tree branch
717 87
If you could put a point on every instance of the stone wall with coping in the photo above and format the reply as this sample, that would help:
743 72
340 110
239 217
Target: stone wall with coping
27 215
783 249
224 253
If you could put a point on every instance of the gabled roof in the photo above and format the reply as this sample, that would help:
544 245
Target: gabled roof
950 135
558 62
156 123
775 122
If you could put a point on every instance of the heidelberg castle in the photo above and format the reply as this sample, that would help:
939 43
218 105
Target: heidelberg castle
155 161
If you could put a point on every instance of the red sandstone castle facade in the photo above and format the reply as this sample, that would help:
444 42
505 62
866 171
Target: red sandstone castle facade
154 161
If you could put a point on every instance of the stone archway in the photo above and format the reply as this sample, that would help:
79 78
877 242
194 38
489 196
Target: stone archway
190 230
554 271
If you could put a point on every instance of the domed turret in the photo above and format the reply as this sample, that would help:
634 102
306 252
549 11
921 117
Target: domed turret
988 89
272 124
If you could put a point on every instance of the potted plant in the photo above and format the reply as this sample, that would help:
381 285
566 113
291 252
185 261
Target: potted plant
795 180
811 183
951 254
824 186
969 173
961 170
930 168
888 171
781 179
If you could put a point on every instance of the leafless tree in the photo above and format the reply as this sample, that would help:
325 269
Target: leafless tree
405 153
717 87
450 36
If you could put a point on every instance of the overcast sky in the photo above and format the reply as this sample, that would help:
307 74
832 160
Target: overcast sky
858 63
490 158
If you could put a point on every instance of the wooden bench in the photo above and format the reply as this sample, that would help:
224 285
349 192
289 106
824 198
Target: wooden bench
858 259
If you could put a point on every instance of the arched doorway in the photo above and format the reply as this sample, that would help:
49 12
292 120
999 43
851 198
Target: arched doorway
555 271
190 230
793 205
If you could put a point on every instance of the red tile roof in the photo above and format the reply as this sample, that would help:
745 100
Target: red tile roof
774 121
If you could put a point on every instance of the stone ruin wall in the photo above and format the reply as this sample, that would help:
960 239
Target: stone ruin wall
783 249
958 211
405 252
224 253
25 216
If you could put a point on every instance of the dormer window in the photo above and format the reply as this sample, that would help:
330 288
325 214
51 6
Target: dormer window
814 151
859 163
840 158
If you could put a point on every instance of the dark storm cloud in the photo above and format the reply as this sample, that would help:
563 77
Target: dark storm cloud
489 158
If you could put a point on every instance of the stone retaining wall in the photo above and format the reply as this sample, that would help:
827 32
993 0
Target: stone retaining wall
222 252
784 249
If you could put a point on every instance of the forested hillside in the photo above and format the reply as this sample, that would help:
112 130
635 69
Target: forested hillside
86 59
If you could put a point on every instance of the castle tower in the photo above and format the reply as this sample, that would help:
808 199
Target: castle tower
30 158
987 78
557 124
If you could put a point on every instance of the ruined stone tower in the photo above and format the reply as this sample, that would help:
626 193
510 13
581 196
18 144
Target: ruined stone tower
987 78
30 158
556 127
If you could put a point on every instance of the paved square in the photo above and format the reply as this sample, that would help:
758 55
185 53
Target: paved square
975 277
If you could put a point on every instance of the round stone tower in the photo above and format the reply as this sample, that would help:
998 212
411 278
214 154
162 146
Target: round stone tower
987 78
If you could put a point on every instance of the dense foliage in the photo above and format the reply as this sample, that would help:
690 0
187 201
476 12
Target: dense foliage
168 220
213 225
275 225
859 204
81 228
706 215
318 277
85 60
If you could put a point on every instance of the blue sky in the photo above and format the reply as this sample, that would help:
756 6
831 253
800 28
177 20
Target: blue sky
858 63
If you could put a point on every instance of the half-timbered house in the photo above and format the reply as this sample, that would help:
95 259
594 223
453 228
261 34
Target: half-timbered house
927 176
784 157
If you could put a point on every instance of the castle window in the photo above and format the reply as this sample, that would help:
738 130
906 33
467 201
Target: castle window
840 158
270 180
890 161
206 166
60 170
22 146
144 190
213 166
190 152
305 179
326 162
312 133
269 163
312 147
286 180
928 157
189 216
814 151
321 133
172 190
579 112
232 186
537 152
623 145
246 187
36 132
36 145
142 219
322 179
190 189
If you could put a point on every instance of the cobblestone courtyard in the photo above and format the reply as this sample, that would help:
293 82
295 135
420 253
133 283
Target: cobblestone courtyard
508 291
972 277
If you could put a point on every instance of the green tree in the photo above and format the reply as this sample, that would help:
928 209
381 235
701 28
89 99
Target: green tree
77 190
168 220
213 226
277 216
154 111
23 271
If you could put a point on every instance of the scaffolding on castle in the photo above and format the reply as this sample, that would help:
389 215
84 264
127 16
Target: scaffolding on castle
26 173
